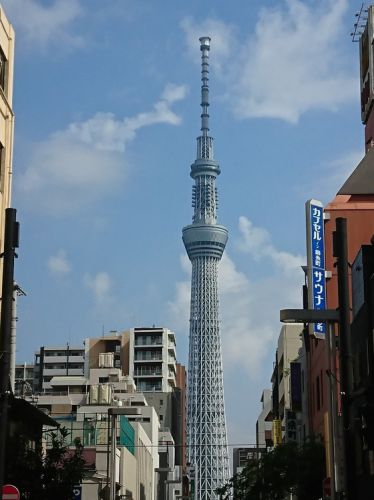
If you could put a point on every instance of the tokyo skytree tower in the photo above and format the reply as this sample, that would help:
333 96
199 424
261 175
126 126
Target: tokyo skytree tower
205 242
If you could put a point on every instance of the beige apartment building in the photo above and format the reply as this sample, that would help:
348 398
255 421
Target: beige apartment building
6 116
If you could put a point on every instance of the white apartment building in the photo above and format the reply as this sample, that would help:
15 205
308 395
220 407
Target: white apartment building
152 359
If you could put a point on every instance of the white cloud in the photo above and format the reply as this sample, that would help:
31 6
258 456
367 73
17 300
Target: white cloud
100 284
291 65
44 24
257 242
58 264
86 161
249 308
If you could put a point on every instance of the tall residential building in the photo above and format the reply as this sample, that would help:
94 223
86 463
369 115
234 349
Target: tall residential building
57 361
148 355
152 360
205 242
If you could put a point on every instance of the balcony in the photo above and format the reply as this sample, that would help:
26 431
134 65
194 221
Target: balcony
171 347
143 386
171 361
48 372
147 356
148 345
63 359
171 379
147 359
147 372
144 340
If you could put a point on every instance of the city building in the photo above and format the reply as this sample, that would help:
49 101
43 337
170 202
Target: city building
148 356
205 242
152 359
113 343
24 379
285 385
354 202
362 396
82 405
57 361
80 400
264 422
6 117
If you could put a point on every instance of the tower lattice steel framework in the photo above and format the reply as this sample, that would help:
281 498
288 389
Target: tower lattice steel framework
205 242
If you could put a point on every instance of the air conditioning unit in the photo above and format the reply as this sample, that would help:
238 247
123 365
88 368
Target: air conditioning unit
94 394
102 360
109 360
105 394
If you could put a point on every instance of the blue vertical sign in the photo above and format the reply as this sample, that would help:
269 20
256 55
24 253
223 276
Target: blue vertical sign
77 492
316 262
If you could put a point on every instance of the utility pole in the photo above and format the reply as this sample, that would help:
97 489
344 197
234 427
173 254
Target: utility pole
345 351
10 244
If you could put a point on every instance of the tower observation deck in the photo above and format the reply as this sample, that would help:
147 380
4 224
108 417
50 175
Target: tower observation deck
205 242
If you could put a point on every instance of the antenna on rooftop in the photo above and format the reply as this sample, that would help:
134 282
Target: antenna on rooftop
360 23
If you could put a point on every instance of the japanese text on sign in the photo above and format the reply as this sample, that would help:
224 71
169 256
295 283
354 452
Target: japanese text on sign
316 261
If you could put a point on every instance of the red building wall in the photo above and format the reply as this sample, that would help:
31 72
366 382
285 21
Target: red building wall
359 212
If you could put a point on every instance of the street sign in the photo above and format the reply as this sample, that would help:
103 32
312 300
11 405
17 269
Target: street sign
77 492
315 240
10 492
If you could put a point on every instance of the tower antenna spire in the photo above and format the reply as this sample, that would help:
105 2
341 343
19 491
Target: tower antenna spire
205 47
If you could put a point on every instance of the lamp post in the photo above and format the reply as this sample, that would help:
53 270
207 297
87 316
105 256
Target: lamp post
330 317
113 413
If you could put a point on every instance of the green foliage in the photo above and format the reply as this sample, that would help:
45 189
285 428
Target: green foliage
47 476
287 468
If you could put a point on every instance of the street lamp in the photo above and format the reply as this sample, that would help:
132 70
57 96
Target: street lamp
329 316
113 413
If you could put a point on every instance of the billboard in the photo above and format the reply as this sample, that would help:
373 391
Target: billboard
315 241
367 66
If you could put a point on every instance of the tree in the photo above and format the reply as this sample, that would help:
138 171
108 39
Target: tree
49 475
287 468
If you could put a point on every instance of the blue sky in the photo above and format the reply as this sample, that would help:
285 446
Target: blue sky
107 113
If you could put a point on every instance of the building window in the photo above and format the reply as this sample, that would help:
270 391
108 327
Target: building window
161 402
3 62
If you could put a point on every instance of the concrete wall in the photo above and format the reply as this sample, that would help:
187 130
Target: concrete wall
127 474
144 452
289 343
